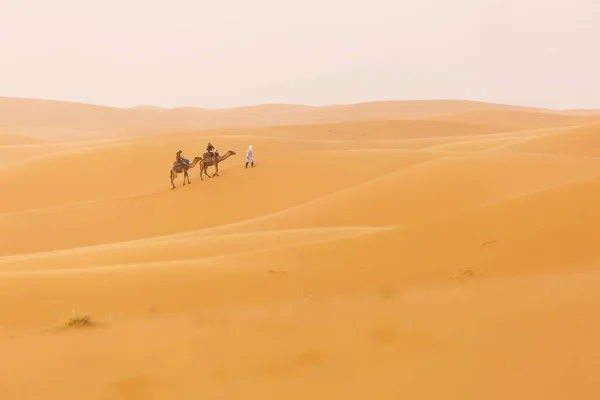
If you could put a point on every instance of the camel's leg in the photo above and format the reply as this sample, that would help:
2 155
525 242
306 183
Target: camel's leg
173 176
216 169
187 176
206 171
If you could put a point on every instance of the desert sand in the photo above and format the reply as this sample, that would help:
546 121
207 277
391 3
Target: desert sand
388 250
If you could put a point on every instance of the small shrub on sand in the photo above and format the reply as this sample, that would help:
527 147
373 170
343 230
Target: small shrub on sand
464 272
76 320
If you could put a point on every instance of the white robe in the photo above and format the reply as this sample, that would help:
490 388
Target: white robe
249 155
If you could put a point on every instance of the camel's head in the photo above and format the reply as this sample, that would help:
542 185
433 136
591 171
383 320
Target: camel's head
232 152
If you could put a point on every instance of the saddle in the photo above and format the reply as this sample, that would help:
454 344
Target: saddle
182 162
209 154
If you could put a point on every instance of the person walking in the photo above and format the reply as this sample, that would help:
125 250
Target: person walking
249 158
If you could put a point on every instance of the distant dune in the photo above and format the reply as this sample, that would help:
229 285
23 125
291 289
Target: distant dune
148 108
585 112
513 119
385 250
8 139
45 118
581 140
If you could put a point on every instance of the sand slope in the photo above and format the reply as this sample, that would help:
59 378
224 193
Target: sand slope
375 251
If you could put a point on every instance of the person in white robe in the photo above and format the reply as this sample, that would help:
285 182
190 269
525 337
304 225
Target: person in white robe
249 158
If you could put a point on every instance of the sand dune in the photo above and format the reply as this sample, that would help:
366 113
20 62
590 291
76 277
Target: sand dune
9 139
582 140
513 119
381 250
15 146
127 216
70 121
374 130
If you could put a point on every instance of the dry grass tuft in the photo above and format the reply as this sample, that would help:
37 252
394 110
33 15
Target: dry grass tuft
76 320
464 272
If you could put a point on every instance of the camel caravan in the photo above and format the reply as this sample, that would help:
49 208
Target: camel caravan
210 158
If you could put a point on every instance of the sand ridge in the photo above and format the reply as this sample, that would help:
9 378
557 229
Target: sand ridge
420 249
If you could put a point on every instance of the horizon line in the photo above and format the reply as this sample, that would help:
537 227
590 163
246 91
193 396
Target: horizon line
457 100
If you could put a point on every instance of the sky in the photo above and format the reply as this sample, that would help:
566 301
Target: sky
228 53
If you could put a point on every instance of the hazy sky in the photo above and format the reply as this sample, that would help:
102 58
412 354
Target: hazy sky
225 53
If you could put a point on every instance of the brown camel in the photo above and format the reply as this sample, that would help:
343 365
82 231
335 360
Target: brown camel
178 168
214 160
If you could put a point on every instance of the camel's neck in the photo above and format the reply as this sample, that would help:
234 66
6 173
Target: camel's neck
194 162
221 158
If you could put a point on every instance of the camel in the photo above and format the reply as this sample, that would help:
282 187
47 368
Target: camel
213 160
178 168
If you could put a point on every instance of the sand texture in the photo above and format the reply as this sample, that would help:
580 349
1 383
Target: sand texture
386 250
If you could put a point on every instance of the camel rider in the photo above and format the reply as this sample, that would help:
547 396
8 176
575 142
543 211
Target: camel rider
210 149
179 158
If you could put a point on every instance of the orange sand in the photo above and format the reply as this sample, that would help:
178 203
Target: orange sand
418 250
